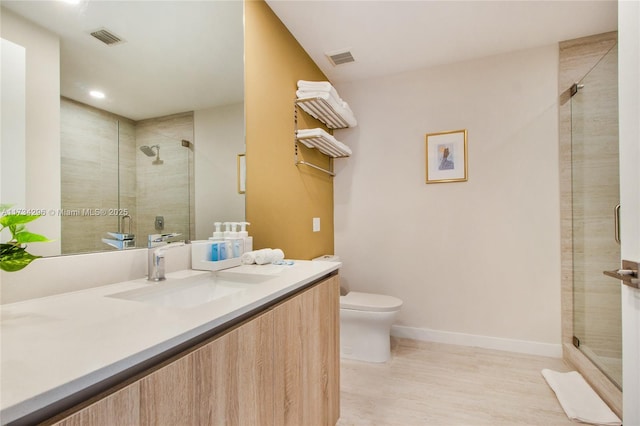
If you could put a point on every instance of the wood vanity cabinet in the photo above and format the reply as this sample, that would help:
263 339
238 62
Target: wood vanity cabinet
280 367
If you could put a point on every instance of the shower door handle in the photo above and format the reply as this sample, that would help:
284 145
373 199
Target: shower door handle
628 274
616 223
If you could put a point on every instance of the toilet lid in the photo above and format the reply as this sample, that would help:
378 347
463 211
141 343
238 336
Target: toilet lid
369 302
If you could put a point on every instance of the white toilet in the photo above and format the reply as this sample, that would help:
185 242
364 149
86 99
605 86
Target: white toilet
365 325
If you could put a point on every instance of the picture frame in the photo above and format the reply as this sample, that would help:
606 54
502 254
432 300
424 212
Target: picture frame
446 156
242 173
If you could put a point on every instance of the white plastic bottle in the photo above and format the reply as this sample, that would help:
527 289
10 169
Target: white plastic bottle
218 248
228 245
217 234
236 243
248 241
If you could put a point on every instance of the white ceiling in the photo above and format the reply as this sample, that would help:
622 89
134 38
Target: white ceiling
388 37
178 55
188 55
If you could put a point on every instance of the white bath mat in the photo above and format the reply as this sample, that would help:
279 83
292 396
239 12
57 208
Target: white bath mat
578 400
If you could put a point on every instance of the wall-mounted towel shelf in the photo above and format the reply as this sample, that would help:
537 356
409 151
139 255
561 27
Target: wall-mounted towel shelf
321 109
324 144
320 140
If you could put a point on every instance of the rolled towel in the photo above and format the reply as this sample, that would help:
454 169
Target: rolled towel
264 256
248 258
278 255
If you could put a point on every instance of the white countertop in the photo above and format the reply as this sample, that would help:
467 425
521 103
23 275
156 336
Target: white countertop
56 346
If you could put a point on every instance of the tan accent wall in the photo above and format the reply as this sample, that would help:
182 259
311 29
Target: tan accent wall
282 198
577 58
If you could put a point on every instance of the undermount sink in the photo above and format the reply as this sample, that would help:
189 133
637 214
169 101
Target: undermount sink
191 291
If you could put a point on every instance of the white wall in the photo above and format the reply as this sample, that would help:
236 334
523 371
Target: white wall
219 138
629 106
43 124
12 126
475 262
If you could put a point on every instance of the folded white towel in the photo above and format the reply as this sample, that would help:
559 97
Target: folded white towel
316 133
314 85
319 138
339 108
344 148
335 100
348 117
578 400
325 90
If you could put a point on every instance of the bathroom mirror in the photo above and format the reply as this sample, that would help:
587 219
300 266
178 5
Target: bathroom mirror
158 152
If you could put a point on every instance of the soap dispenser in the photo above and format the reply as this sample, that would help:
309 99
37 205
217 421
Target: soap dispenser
227 229
248 241
236 243
218 248
217 234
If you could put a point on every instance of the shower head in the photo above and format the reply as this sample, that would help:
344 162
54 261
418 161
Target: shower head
148 150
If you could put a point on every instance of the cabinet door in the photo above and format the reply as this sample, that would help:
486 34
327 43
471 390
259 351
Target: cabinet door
307 357
119 408
234 376
226 382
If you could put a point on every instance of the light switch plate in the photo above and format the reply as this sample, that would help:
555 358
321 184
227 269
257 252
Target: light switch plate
316 224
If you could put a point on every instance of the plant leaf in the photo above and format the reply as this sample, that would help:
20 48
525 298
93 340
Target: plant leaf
14 258
6 249
29 237
17 219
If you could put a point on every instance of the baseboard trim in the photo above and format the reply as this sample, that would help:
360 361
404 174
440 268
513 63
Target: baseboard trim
486 342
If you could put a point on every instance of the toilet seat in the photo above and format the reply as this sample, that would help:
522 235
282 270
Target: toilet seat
369 302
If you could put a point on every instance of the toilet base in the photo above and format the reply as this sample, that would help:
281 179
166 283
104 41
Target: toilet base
365 336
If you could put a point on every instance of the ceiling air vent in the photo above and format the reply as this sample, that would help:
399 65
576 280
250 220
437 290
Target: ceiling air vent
339 58
107 37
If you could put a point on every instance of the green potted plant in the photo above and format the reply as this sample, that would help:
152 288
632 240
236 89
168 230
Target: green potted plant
13 253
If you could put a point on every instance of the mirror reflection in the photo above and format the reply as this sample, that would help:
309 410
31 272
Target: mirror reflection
156 151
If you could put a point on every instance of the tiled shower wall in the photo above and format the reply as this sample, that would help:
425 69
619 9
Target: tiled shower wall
165 189
94 152
89 174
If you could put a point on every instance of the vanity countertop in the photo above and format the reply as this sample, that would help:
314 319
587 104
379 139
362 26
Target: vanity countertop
53 347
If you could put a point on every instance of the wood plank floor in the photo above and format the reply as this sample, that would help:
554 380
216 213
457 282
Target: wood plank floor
438 384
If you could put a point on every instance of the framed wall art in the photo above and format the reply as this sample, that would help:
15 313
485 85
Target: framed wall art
447 156
242 173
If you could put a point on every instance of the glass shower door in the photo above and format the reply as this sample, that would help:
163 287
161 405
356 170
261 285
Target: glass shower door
595 189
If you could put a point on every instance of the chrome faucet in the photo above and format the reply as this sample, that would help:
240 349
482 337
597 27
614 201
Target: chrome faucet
158 245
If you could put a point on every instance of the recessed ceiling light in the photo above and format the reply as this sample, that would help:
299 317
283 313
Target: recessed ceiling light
71 1
97 94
